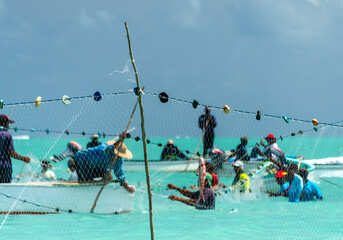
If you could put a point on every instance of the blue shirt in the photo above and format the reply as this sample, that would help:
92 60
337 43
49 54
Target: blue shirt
101 157
294 191
310 191
6 146
210 127
284 187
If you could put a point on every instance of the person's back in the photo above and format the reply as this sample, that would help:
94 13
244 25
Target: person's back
294 191
209 201
311 192
171 152
6 145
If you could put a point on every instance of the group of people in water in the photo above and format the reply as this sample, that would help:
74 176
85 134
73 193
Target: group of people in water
99 159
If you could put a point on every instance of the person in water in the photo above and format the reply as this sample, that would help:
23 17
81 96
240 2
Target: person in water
7 151
296 181
94 141
310 190
96 162
171 152
194 198
241 152
282 180
215 181
207 123
241 181
271 151
46 173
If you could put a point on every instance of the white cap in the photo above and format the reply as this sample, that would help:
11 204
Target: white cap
238 164
170 141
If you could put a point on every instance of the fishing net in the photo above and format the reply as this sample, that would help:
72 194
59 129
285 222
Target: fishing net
46 131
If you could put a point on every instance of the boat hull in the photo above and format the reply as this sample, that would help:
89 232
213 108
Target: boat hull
58 197
164 166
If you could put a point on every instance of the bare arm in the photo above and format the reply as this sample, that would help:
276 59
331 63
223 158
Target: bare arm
190 202
15 155
184 192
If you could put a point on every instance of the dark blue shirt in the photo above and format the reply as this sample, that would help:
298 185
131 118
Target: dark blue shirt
6 146
210 126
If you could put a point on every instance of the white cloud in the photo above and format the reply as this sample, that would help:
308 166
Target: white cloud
87 20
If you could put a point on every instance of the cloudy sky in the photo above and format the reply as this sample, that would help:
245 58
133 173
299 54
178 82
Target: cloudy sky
282 57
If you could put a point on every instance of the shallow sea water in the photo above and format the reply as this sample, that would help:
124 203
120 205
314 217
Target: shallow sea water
235 217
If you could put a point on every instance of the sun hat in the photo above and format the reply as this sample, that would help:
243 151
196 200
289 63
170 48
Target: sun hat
122 152
5 119
271 136
170 141
238 164
280 174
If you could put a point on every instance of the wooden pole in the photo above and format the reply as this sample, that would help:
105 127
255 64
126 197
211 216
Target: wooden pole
147 174
119 146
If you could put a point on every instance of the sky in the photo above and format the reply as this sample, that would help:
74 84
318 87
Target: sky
277 56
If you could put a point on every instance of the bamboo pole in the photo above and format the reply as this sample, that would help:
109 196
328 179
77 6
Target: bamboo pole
119 146
147 174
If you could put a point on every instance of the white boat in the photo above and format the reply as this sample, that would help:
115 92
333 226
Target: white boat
164 166
59 197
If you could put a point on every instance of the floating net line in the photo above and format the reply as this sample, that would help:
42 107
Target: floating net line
44 131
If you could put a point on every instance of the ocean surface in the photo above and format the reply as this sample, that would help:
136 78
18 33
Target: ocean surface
249 217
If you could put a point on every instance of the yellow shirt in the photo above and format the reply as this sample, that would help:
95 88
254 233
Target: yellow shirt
243 183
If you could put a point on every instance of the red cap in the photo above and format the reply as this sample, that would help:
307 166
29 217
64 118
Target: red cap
5 119
280 174
270 136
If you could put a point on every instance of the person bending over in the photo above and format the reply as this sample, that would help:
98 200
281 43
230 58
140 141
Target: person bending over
194 198
171 152
310 190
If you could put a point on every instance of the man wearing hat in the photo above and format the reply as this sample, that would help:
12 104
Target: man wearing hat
193 198
207 123
281 179
241 181
94 141
7 150
171 152
95 162
271 151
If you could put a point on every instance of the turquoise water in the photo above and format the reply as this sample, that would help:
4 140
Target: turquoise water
255 217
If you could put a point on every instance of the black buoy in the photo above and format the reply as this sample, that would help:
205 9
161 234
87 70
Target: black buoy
66 132
97 96
258 115
195 104
163 97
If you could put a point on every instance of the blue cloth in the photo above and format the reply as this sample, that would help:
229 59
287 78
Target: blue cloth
294 191
310 191
6 146
95 162
284 187
210 128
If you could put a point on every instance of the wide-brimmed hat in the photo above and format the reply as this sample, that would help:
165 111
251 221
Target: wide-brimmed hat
123 152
